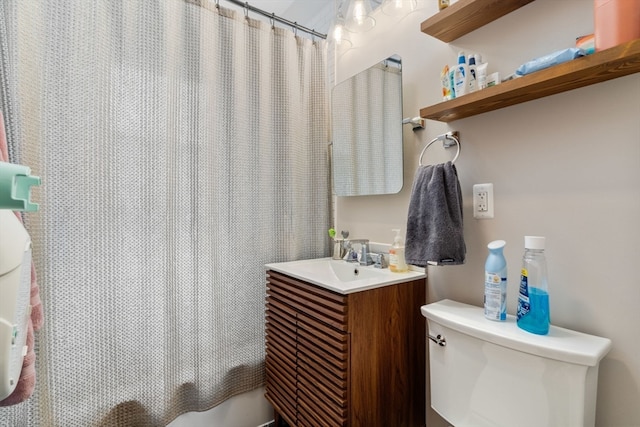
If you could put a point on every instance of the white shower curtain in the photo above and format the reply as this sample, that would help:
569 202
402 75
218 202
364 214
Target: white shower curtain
181 147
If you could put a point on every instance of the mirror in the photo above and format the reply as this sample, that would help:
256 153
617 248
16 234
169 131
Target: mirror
366 113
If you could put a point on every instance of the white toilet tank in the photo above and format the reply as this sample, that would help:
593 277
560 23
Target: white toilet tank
488 373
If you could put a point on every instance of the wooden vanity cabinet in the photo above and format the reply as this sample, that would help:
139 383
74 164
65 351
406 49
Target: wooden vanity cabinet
353 359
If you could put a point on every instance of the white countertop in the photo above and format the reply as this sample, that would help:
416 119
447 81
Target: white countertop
327 273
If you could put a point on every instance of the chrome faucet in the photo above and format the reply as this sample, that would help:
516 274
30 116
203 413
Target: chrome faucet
379 260
352 255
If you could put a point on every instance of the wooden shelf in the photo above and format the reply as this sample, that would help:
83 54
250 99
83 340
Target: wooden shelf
465 16
608 64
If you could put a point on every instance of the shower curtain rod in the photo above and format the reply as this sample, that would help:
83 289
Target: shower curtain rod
275 17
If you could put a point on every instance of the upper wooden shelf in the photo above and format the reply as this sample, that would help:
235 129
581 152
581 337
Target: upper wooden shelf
465 16
601 66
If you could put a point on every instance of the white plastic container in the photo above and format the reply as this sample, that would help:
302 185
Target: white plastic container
461 76
473 78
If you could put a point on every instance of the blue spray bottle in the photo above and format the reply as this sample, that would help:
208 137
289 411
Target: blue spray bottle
533 299
495 282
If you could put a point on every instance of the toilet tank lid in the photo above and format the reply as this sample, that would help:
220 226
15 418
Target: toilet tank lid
560 344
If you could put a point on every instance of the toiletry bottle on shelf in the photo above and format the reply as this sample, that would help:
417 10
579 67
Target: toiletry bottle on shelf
446 84
533 300
452 85
481 75
495 282
461 76
472 74
397 263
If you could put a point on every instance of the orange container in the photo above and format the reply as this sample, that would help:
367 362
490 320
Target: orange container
616 22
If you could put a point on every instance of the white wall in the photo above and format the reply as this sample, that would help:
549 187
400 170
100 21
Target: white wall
566 167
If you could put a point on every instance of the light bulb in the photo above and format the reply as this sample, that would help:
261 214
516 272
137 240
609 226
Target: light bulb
358 12
359 16
398 7
337 32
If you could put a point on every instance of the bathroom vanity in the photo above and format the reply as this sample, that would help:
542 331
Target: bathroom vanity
351 358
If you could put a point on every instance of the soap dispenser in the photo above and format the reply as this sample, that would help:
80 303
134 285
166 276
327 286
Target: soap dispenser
397 263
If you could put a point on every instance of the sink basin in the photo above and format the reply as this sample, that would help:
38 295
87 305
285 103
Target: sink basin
342 276
349 271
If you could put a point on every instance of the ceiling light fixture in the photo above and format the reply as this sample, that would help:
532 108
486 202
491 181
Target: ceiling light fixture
358 17
338 32
398 7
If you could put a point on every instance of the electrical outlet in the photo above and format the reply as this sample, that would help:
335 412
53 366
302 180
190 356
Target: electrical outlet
483 201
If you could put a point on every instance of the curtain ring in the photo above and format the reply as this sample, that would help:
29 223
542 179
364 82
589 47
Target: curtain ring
272 21
217 4
295 29
246 10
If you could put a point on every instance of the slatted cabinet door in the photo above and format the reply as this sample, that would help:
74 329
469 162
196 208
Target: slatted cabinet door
281 358
307 352
323 362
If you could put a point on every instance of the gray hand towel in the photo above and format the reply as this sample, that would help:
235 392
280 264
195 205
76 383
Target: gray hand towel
434 223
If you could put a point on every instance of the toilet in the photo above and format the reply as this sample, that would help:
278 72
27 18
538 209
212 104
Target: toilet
488 373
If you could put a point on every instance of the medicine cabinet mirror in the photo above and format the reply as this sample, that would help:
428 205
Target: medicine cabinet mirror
366 116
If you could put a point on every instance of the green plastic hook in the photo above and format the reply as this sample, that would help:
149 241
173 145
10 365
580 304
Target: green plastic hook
15 187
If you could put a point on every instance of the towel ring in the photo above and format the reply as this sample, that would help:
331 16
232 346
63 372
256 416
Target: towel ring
446 143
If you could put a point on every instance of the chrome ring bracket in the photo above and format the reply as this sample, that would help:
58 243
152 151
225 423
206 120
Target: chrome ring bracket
448 140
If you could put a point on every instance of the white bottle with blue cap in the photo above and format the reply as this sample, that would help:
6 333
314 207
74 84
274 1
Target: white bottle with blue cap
495 282
461 75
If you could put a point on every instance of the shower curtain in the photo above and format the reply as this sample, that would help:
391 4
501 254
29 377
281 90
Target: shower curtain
181 147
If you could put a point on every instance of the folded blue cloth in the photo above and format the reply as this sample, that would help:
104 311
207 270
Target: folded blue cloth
434 222
549 60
